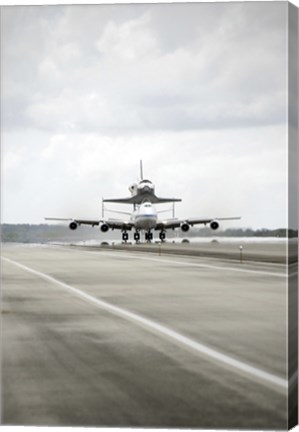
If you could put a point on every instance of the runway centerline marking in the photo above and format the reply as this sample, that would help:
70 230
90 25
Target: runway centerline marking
129 255
249 370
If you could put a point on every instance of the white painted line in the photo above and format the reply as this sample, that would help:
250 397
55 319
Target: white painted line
128 255
238 365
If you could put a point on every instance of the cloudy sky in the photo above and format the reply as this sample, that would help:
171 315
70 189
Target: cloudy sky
197 91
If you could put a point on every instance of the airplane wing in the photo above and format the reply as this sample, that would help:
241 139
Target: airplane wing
119 224
92 222
111 223
175 223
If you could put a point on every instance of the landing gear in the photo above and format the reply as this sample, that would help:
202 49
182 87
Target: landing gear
125 236
137 236
162 236
148 236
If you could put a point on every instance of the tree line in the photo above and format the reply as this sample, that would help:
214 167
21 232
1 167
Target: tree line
26 233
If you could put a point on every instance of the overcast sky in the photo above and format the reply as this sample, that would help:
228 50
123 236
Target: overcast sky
197 91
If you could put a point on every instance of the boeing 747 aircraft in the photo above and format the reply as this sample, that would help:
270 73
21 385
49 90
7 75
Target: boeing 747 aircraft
144 218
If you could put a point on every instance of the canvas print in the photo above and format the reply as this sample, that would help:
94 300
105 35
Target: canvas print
149 215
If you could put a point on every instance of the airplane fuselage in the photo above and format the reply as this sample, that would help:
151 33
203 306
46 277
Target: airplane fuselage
145 217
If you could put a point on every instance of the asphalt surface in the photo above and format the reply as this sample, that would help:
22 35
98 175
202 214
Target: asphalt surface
193 342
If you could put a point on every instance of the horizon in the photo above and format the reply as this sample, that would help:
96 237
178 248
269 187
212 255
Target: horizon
198 227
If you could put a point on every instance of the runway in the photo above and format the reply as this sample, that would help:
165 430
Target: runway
258 251
95 337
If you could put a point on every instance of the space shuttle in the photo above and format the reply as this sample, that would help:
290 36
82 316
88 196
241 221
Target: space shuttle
142 192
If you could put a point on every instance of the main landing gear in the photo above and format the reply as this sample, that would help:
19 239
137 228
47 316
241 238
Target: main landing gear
162 236
125 236
149 236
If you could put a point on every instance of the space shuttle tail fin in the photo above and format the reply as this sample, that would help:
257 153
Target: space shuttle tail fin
141 170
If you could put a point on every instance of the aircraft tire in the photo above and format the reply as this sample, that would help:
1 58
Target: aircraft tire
162 236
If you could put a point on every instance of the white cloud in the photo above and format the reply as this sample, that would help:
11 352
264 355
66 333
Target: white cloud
49 70
11 161
198 91
131 41
230 72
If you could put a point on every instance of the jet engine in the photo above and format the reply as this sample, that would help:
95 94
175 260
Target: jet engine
214 225
73 225
104 227
185 226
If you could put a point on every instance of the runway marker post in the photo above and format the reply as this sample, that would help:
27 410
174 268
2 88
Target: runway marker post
241 254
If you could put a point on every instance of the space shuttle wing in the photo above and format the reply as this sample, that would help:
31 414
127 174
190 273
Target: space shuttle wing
158 200
129 200
142 197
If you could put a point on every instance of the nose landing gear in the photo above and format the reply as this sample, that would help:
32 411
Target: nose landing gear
148 236
137 236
